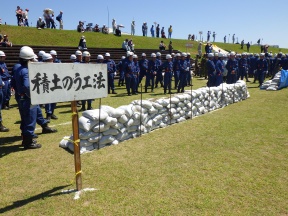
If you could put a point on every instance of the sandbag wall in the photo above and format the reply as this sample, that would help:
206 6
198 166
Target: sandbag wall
109 126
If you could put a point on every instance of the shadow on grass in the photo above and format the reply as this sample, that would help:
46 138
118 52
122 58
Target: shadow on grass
6 148
18 122
20 203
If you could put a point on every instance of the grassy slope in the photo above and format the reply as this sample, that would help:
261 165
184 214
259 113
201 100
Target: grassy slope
230 162
32 36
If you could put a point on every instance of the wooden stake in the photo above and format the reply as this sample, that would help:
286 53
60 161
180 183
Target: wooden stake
77 158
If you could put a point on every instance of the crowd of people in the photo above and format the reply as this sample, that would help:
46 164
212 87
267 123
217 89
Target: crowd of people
219 67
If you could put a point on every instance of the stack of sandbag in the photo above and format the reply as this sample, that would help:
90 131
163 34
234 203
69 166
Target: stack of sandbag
272 85
109 126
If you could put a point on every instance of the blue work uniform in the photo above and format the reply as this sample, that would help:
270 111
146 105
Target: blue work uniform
119 67
183 75
176 69
168 72
232 67
188 78
128 68
6 78
219 67
111 69
143 63
262 67
242 67
151 73
211 69
1 97
159 76
135 78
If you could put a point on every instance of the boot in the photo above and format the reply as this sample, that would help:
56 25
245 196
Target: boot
48 117
7 106
46 129
54 116
83 108
113 92
146 90
89 108
3 128
29 143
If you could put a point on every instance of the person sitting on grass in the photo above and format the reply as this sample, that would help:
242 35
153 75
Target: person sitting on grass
80 27
125 45
40 23
162 46
5 42
82 43
105 29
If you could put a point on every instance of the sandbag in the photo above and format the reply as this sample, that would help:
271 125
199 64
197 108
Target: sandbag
106 139
111 131
103 127
94 114
86 124
95 138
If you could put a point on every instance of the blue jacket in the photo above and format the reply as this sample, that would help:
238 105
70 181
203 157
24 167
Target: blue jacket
4 73
210 67
143 63
136 68
242 64
128 66
167 67
219 67
111 66
176 66
152 66
261 65
183 66
232 65
21 77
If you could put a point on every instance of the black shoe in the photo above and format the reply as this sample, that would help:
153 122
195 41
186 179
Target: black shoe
54 116
129 94
46 129
35 136
29 143
248 81
32 146
3 128
113 92
89 108
82 109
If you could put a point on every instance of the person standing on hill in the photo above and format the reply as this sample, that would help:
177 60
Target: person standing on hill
214 36
200 49
133 28
18 14
114 25
225 39
25 17
157 31
170 30
233 38
152 31
248 46
60 20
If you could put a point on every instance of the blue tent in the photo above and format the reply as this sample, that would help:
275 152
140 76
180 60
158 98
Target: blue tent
283 83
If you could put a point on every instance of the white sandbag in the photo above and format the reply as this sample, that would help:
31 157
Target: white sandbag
85 143
180 104
175 100
86 124
132 128
127 109
110 131
136 116
172 111
103 127
85 149
181 119
176 116
95 138
152 110
157 105
94 114
86 135
115 142
181 97
123 119
149 123
130 122
118 125
110 121
122 136
163 125
106 139
65 142
145 103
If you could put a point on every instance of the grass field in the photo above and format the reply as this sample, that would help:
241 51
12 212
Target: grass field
230 162
233 161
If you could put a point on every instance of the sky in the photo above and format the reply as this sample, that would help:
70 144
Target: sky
249 20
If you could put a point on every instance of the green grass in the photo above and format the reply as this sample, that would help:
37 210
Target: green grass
32 36
230 162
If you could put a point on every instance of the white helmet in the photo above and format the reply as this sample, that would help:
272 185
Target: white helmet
178 54
184 54
107 54
46 56
168 56
128 53
153 55
210 55
256 55
40 53
53 52
86 54
78 52
216 54
2 53
262 54
172 54
26 53
232 54
220 55
158 54
73 57
143 54
188 54
135 56
123 57
100 57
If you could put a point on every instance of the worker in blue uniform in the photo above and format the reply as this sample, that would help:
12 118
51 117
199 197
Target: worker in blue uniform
167 66
243 67
78 54
211 70
183 73
151 73
40 120
159 76
53 53
128 68
6 78
232 67
143 64
2 127
262 68
188 62
219 67
136 72
111 70
86 60
176 70
119 68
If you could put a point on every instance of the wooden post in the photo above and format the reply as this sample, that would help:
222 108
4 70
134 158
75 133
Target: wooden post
77 159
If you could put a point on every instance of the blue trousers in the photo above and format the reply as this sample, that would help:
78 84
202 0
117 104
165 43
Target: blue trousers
89 103
182 81
231 78
189 78
176 77
49 108
167 81
129 83
159 77
121 77
1 101
111 82
218 80
261 76
242 73
150 77
28 115
6 89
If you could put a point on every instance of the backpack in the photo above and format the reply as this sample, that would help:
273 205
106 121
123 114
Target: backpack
58 18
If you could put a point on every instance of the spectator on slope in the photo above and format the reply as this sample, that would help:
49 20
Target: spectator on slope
225 39
189 37
118 31
25 17
82 43
21 23
131 45
248 46
18 14
242 44
40 23
60 20
163 33
96 28
133 28
144 29
170 47
152 31
46 17
105 30
125 45
114 25
157 31
233 38
193 37
170 30
80 27
52 22
208 36
214 36
5 42
162 46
